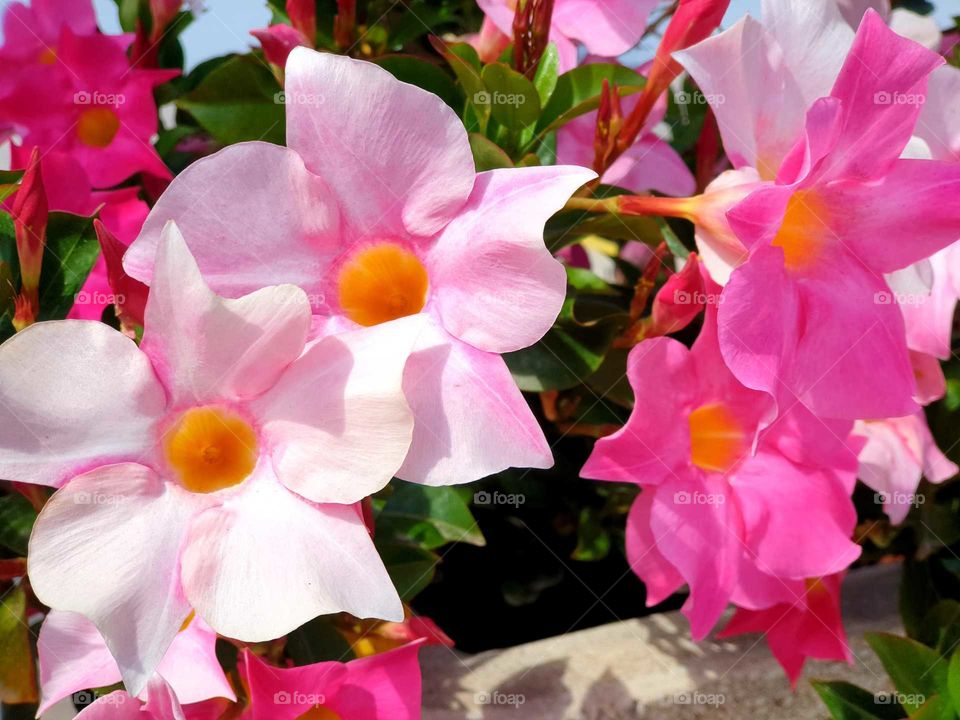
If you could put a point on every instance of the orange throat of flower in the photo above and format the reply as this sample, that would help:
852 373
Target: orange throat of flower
319 713
210 449
382 282
98 126
804 232
717 441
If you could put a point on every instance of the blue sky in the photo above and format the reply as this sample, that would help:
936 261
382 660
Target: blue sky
225 27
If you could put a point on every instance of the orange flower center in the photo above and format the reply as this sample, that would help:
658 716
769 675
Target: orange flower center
382 283
98 126
211 449
186 623
319 713
804 231
717 441
48 56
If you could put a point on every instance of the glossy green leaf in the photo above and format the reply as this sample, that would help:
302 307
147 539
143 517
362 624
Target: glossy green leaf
849 702
18 683
578 92
71 251
16 522
240 100
593 541
487 155
411 568
953 681
463 60
440 507
318 641
917 671
513 100
545 79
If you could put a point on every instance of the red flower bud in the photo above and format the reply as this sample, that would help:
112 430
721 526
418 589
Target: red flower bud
303 17
130 294
30 226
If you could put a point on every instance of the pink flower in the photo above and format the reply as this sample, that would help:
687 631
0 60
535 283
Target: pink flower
898 452
805 623
74 657
385 686
278 41
161 704
708 511
649 164
218 454
806 317
94 106
606 28
376 211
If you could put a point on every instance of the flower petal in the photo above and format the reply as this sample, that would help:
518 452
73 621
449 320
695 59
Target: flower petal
660 578
399 155
74 394
111 523
497 286
206 347
304 559
336 421
252 215
470 419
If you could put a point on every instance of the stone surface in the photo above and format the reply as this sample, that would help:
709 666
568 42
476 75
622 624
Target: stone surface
648 669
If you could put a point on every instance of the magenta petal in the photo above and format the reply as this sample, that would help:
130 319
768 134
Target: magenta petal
385 686
659 577
300 687
497 286
470 419
397 156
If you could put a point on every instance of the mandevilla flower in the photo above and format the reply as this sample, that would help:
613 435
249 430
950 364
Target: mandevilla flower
606 28
218 455
74 657
708 508
161 704
385 686
94 105
377 212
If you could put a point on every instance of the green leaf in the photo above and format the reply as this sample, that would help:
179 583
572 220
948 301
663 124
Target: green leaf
935 708
16 521
545 79
849 702
918 672
465 63
18 682
240 100
578 92
593 541
440 507
318 641
72 249
513 100
487 155
567 227
424 75
953 681
410 568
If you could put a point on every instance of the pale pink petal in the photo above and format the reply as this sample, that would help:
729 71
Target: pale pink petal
118 705
252 215
929 318
939 123
206 347
606 27
738 70
853 10
336 422
191 666
73 657
496 286
162 703
652 164
304 559
113 523
931 382
396 156
74 394
470 419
